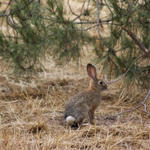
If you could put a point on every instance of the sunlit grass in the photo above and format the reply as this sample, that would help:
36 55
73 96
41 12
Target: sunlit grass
31 112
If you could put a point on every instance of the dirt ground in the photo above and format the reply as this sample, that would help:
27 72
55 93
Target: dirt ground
32 118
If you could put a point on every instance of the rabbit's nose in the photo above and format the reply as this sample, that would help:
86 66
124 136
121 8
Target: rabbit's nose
105 87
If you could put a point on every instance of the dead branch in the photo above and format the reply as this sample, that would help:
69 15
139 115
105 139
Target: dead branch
81 13
143 103
147 52
86 29
93 22
4 12
137 41
124 74
11 12
98 17
112 14
88 4
97 23
9 3
4 15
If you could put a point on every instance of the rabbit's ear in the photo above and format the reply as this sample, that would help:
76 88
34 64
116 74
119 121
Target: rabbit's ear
91 70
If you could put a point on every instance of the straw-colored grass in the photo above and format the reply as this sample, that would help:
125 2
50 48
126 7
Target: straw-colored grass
31 112
32 118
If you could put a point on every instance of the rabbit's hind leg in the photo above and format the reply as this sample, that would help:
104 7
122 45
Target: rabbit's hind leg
91 116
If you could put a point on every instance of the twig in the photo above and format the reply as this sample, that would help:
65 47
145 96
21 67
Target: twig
87 28
137 41
93 22
71 8
11 12
88 4
82 11
9 3
109 9
77 16
4 12
98 17
143 103
124 74
4 15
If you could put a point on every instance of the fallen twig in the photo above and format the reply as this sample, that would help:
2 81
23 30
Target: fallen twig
143 103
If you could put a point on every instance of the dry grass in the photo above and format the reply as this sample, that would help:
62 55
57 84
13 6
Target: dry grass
31 112
32 118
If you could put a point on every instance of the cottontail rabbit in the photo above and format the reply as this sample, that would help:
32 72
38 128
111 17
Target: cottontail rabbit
82 105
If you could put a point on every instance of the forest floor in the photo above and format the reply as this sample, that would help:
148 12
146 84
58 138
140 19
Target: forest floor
31 111
31 117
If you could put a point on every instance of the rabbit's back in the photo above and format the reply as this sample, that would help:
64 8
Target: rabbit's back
80 104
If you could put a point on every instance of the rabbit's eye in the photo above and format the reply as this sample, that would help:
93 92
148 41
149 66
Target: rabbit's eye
100 82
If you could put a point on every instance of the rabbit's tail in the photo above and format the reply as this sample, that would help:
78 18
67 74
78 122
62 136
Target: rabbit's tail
70 120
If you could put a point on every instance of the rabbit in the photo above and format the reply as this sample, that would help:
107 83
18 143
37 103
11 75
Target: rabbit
83 105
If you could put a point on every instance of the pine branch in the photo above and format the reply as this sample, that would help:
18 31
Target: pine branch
11 12
93 22
89 28
124 74
82 12
77 16
4 12
98 17
137 41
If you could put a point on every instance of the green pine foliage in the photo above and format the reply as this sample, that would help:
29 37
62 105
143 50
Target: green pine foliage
63 36
135 17
38 29
25 44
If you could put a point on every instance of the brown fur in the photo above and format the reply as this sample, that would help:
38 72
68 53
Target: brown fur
83 105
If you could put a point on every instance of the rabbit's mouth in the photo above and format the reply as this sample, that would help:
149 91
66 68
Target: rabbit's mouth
104 88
